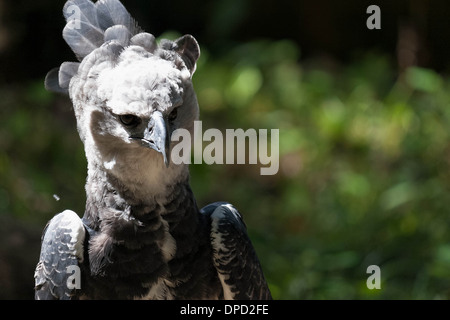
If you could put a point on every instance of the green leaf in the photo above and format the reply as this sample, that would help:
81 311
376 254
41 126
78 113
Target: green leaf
423 79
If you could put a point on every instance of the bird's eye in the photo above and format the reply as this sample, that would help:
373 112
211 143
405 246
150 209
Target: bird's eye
173 115
129 120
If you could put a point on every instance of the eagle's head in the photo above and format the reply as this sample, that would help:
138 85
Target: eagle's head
129 100
128 104
129 93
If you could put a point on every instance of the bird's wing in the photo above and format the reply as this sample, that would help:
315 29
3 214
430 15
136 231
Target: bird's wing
57 274
234 257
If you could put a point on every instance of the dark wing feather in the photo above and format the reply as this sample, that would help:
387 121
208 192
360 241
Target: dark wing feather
62 252
234 257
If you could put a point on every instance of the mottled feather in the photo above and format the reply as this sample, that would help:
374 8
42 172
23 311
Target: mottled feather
62 247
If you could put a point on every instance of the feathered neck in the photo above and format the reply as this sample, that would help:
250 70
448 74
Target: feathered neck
105 192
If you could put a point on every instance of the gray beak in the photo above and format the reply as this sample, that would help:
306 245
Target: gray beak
156 137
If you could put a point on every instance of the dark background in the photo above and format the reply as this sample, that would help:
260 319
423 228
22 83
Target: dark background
31 42
363 119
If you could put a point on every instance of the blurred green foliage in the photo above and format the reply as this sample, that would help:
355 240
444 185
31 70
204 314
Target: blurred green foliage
364 167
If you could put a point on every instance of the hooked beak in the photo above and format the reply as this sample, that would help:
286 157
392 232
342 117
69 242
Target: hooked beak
156 136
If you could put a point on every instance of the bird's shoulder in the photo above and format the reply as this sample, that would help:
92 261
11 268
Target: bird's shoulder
234 257
62 251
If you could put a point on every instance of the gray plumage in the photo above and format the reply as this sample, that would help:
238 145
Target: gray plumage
142 235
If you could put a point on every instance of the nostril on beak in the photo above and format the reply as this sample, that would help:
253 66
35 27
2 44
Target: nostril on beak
149 130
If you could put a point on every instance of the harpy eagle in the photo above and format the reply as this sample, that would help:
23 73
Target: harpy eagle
142 235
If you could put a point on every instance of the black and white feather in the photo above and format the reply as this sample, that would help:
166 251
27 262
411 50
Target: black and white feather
142 235
233 254
62 249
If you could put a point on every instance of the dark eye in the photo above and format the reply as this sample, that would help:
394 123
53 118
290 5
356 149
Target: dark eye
173 114
129 120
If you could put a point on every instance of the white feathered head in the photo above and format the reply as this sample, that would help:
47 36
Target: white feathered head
129 94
